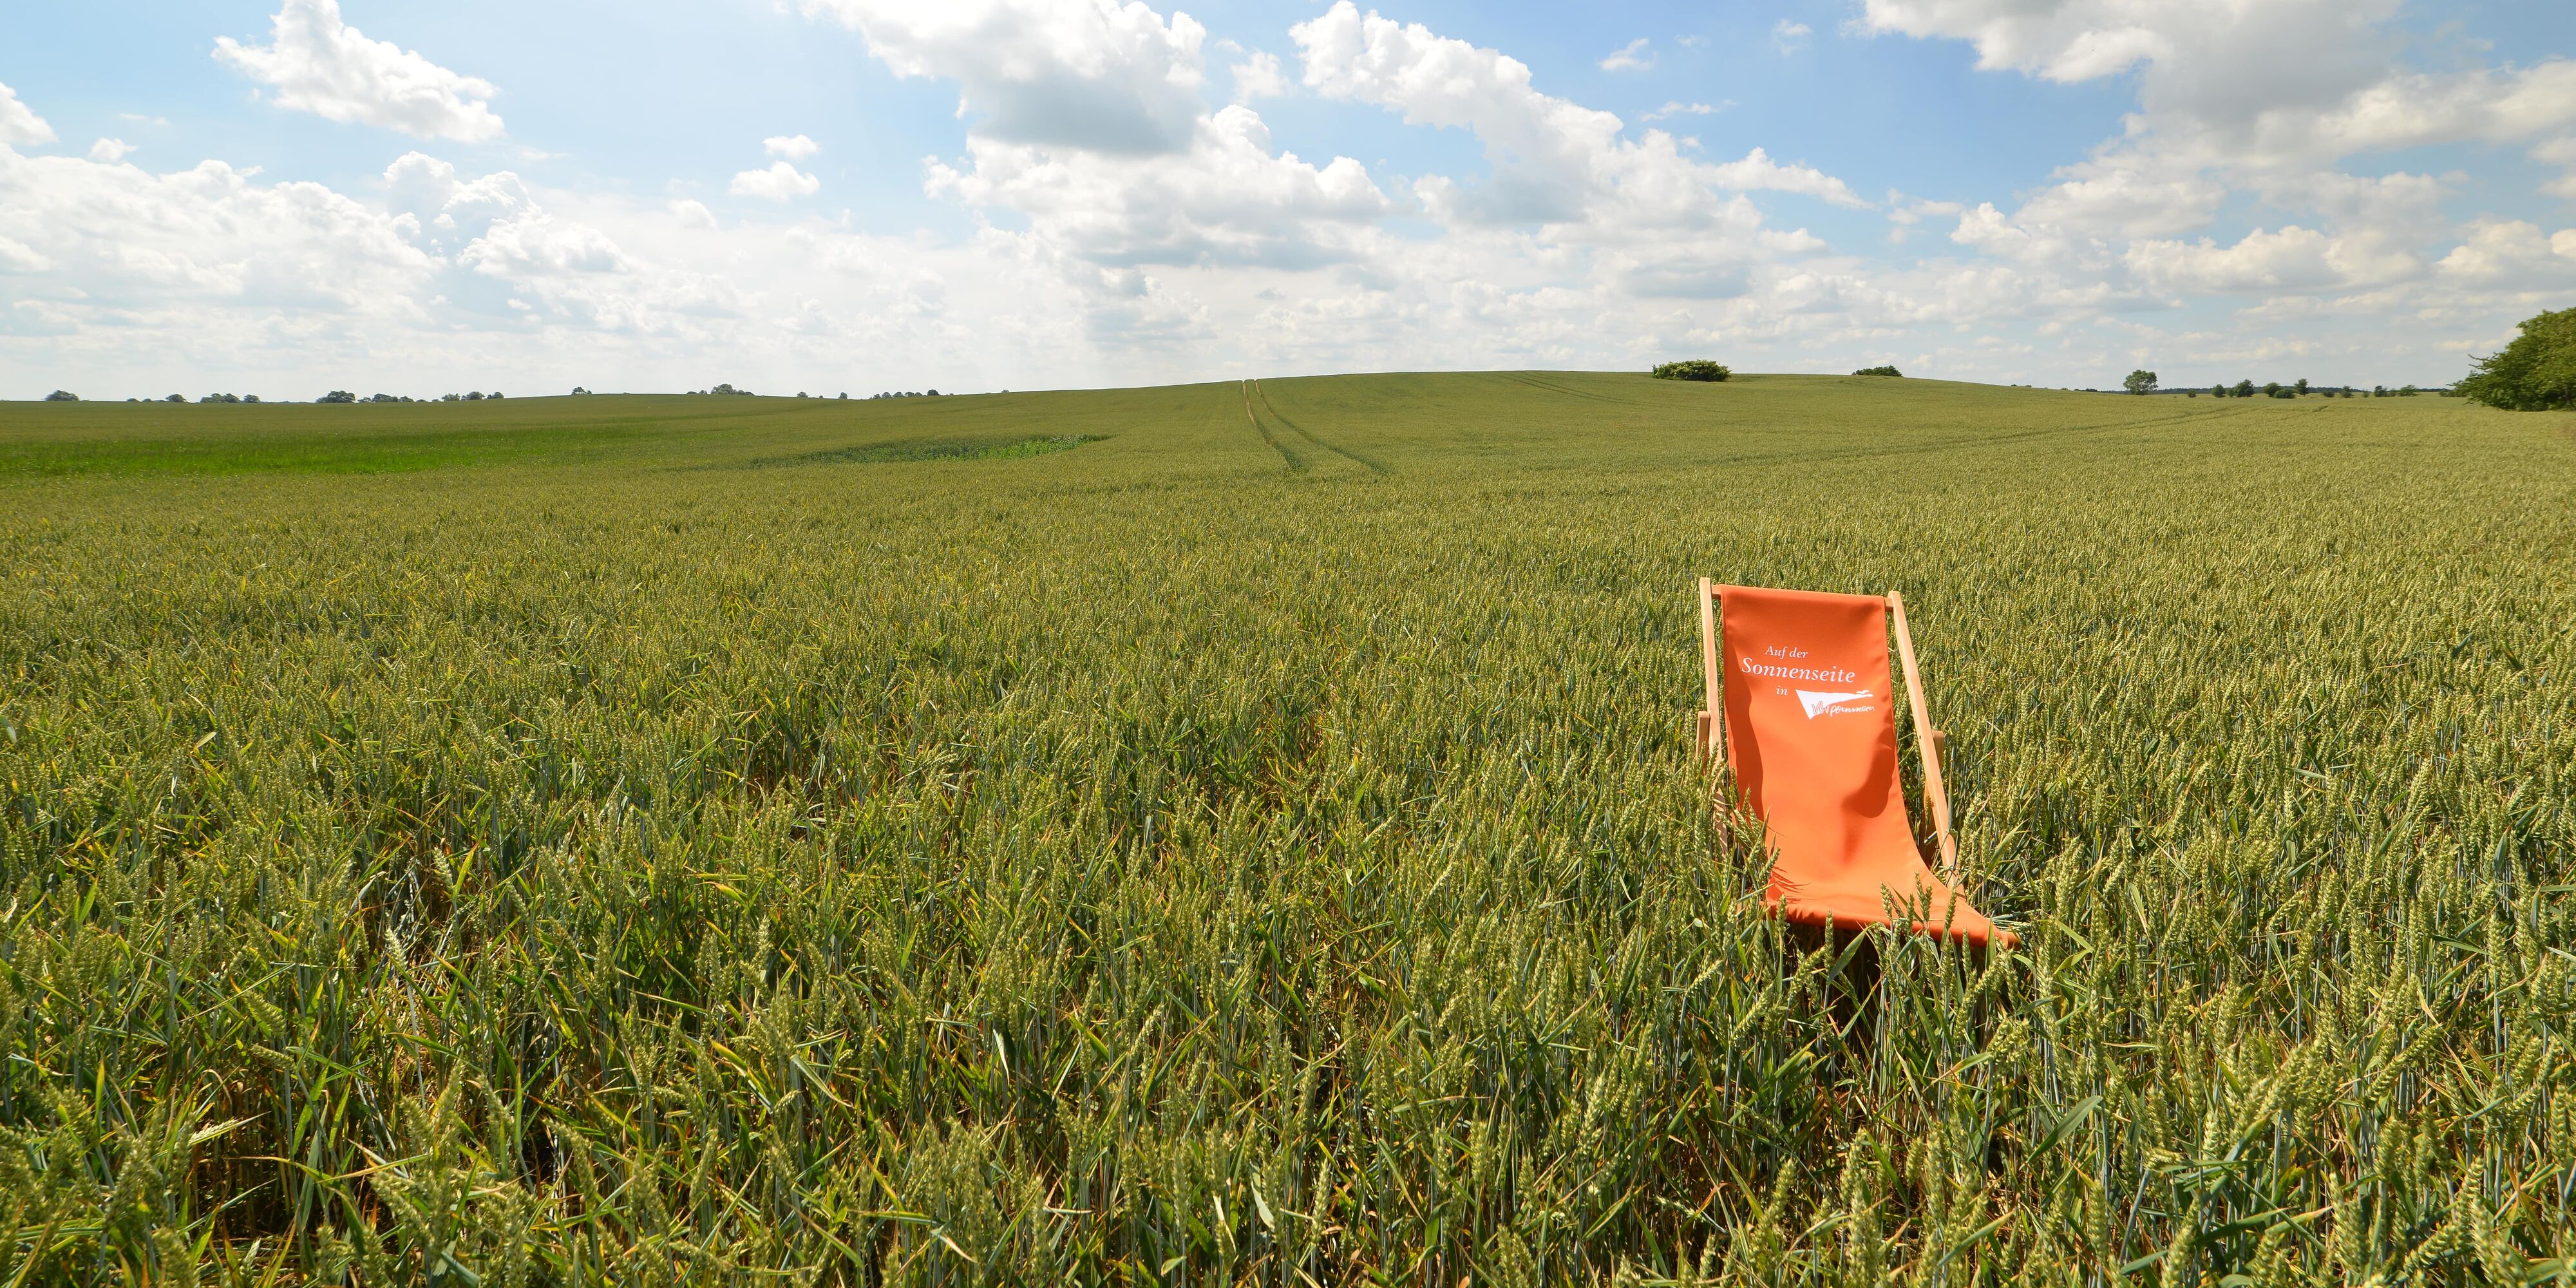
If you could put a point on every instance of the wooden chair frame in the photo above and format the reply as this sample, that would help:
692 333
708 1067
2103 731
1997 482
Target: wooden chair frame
1930 744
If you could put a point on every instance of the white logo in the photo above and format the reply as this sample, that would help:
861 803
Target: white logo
1818 704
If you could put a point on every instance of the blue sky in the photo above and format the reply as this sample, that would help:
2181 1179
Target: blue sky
286 196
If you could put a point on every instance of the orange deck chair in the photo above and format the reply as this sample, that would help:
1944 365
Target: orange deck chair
1800 704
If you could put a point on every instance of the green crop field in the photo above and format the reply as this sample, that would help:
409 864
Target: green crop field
1169 836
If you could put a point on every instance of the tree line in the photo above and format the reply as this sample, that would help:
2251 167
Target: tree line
2143 381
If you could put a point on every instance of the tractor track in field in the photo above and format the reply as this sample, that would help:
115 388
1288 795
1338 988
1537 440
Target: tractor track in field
1536 383
1369 463
1296 463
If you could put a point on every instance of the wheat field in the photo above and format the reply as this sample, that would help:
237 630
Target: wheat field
1234 834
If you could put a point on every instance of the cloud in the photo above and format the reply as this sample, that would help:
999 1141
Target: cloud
2222 118
1678 108
1757 170
322 65
780 182
1090 74
1554 160
1790 35
2511 251
2292 260
795 147
20 127
110 151
2212 82
694 214
1904 212
1632 57
1088 127
124 239
2126 195
2559 152
511 260
1258 77
1231 198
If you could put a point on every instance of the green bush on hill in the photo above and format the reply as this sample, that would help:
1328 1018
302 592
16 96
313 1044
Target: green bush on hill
1694 369
2537 372
1888 370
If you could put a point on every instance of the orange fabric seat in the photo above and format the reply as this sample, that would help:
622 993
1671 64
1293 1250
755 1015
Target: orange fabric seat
1809 727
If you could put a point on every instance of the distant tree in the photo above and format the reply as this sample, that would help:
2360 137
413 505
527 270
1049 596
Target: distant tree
62 395
1889 370
2218 391
845 395
338 396
174 398
2140 381
250 398
2191 393
2407 391
579 390
495 395
2244 389
934 393
2271 388
1692 369
2302 385
2535 372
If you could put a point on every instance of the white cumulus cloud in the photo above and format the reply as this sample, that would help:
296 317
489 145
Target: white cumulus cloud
1757 170
780 182
124 238
1258 76
2213 81
20 126
1092 74
110 151
794 147
320 64
1555 161
1232 197
2512 251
